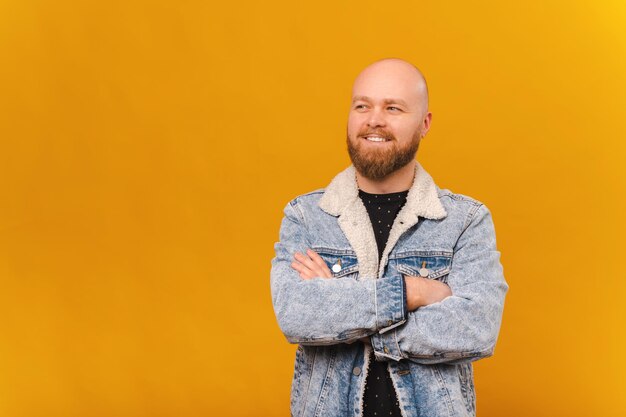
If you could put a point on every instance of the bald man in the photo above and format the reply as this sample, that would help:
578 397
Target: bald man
390 286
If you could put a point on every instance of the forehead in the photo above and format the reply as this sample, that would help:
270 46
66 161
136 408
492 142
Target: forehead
384 84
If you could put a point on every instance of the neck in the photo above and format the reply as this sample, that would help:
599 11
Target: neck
399 180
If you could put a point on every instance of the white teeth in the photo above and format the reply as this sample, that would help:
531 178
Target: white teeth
375 138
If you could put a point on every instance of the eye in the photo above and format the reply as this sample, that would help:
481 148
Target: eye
359 106
393 108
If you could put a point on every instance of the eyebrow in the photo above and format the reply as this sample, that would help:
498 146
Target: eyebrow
385 101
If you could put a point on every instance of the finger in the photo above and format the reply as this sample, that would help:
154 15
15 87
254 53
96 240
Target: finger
304 272
299 267
320 263
306 261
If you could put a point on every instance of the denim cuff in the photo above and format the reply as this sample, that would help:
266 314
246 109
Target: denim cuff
386 345
390 302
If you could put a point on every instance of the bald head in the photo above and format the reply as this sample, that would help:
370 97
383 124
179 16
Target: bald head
388 118
392 77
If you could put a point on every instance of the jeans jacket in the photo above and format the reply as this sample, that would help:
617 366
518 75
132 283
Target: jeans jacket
437 234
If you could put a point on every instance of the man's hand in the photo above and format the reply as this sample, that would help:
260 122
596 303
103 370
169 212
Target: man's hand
423 291
310 265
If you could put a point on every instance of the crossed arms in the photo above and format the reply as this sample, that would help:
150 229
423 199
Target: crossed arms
434 323
419 291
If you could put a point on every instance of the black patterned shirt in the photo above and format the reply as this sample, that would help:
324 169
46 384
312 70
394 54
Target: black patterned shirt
380 396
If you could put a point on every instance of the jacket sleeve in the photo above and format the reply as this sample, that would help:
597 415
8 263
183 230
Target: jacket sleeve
463 327
324 311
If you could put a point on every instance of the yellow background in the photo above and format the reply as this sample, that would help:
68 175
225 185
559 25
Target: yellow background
147 150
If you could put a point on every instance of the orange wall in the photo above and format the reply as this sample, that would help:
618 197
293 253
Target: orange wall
147 150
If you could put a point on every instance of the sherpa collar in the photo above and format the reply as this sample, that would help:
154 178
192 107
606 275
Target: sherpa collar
341 198
422 199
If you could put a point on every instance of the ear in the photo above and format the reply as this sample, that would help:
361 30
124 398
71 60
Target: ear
426 123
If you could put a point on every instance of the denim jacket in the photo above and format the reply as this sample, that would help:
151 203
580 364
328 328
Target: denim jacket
444 236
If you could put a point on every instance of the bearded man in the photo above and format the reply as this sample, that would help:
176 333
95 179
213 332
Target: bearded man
390 286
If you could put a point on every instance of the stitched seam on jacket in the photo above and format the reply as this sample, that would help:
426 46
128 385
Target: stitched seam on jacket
376 325
296 207
323 392
366 366
470 217
442 384
465 382
306 395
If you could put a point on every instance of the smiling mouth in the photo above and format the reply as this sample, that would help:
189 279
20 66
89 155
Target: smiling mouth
374 138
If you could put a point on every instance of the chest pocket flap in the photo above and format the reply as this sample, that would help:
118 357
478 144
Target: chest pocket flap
341 262
427 264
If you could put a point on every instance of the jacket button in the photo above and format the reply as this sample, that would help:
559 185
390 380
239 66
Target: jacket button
356 371
385 349
389 322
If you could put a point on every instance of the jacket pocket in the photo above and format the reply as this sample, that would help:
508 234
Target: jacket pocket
341 262
427 264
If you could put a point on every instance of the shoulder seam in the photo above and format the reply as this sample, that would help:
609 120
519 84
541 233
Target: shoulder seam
459 197
470 215
318 191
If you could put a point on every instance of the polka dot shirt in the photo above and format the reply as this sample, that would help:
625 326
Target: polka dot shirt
380 396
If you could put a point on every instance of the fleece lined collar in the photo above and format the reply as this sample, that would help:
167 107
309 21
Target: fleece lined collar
341 198
422 199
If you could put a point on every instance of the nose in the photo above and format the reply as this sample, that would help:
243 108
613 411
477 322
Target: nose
376 118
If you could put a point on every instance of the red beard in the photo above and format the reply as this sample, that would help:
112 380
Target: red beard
377 162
